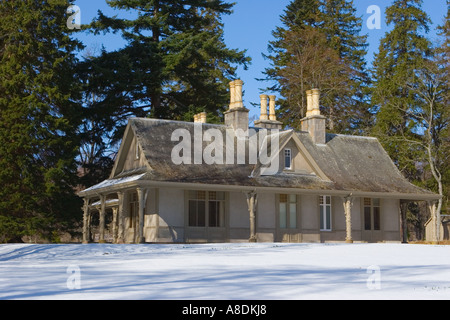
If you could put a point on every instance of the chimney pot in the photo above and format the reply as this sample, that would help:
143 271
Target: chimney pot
272 115
315 102
238 94
200 117
264 98
232 94
203 117
309 103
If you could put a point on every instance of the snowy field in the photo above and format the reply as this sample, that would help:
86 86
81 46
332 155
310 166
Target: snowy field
225 271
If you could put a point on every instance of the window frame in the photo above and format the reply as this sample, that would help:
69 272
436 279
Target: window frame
323 213
206 199
286 151
133 209
291 210
371 214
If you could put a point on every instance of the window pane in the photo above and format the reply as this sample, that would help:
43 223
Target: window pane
322 225
376 218
287 158
367 219
201 195
367 202
328 199
292 198
214 214
212 195
220 195
283 215
292 216
283 197
328 226
221 214
192 213
376 202
201 214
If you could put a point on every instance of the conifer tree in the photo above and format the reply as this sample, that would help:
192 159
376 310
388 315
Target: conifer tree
176 62
402 53
38 119
320 46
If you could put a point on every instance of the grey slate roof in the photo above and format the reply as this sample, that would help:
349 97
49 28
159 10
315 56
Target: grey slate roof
351 163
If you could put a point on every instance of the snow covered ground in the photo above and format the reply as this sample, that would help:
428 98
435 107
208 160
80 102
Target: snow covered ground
225 271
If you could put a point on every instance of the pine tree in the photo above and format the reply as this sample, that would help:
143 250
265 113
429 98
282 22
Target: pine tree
38 119
350 111
320 46
176 61
402 53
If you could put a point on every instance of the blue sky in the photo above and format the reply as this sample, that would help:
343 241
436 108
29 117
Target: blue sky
250 28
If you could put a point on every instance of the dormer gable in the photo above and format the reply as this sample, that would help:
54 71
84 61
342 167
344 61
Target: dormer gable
293 158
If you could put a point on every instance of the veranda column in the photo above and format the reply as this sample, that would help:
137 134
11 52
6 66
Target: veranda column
121 219
252 202
86 221
142 197
348 202
102 219
403 224
114 223
437 219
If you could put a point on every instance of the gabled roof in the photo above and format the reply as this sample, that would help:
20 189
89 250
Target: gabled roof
345 163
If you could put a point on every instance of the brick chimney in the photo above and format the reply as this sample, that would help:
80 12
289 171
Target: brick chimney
314 122
237 115
268 121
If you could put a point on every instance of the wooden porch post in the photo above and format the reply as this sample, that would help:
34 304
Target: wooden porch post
404 226
142 198
252 200
86 221
102 219
114 224
121 218
348 202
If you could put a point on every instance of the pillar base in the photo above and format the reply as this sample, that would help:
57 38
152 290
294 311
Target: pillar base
348 241
101 241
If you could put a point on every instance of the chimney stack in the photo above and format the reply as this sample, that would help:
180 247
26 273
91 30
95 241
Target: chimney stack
314 122
268 121
272 116
237 115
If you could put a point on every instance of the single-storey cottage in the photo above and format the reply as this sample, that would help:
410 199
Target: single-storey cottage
192 182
